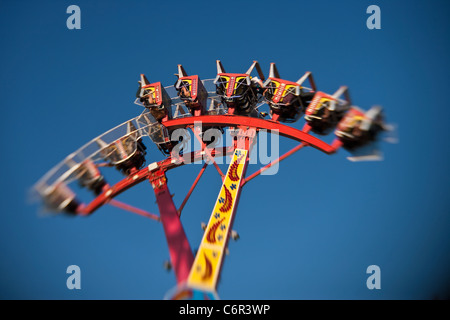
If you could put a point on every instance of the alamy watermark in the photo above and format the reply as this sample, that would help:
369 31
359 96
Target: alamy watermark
374 280
74 280
264 149
374 20
74 20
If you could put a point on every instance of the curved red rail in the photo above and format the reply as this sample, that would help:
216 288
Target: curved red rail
241 121
143 174
217 120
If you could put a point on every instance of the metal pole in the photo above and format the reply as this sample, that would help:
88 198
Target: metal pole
180 251
192 188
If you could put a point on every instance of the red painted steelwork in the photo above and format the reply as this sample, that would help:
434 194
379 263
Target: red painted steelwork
127 207
141 175
192 188
207 152
180 251
284 156
234 121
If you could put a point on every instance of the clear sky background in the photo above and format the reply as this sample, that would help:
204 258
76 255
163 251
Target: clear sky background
308 232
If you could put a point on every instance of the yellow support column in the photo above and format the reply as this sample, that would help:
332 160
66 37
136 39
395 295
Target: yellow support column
206 268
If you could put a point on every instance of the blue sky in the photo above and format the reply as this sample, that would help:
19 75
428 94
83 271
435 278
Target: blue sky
308 232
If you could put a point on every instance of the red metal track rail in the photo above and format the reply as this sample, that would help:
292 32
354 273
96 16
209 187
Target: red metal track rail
241 121
221 121
142 175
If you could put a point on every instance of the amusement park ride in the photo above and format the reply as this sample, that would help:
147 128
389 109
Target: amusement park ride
232 101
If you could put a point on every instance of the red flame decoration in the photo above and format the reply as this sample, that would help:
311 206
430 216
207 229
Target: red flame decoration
232 174
211 235
226 206
208 268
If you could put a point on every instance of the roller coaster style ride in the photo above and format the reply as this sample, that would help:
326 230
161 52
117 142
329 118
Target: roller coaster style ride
243 104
